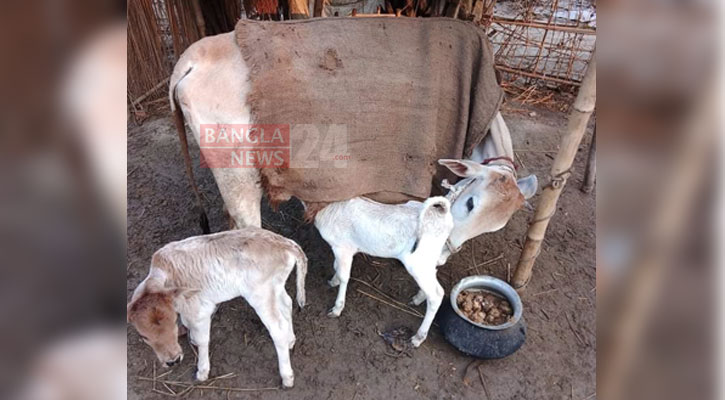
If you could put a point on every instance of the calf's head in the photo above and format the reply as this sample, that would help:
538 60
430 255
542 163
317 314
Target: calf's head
152 314
487 198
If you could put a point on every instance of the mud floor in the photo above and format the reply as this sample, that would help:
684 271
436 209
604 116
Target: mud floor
345 358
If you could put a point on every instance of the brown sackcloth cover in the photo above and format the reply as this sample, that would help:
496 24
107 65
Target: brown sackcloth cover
410 91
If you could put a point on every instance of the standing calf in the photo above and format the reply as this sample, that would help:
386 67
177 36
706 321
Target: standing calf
483 201
192 276
413 232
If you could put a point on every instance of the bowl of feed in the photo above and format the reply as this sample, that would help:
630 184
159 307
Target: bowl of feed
483 318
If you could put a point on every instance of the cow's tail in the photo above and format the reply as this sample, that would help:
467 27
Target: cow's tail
181 130
301 263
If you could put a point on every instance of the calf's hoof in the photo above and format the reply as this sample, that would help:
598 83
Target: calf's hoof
334 312
417 340
288 382
334 282
201 376
417 300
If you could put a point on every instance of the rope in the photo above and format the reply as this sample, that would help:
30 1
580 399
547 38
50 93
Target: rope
500 158
538 252
559 179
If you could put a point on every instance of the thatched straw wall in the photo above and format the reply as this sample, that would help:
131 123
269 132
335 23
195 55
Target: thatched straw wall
148 62
158 33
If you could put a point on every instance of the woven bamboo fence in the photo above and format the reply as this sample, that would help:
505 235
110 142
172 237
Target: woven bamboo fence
148 62
549 41
158 33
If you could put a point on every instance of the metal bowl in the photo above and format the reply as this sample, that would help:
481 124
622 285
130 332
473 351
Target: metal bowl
494 285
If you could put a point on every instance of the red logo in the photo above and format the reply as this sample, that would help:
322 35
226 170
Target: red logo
245 145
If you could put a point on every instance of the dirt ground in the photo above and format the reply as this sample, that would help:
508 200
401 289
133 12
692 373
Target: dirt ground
345 358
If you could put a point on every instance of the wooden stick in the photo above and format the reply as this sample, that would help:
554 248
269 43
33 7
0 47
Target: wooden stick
483 382
389 297
390 304
319 5
536 75
543 37
491 261
473 364
553 27
578 119
374 15
591 172
148 93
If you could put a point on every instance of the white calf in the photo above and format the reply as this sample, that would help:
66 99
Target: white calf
414 233
192 276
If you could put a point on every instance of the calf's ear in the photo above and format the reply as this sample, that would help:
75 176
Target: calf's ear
528 186
462 168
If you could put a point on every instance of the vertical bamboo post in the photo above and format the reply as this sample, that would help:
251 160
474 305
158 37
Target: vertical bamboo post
578 119
319 5
199 17
298 9
590 174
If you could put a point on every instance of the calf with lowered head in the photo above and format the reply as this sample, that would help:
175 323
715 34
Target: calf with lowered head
192 276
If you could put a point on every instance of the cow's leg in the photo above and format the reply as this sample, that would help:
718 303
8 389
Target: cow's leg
242 194
270 310
343 265
199 333
214 90
425 277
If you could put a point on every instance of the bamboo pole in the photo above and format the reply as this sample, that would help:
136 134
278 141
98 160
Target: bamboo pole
536 75
578 120
539 25
591 173
319 5
199 17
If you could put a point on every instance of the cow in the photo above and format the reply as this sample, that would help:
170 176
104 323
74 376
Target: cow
210 85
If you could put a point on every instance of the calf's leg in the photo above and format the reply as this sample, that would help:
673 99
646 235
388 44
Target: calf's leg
286 310
270 311
425 277
199 333
418 298
343 265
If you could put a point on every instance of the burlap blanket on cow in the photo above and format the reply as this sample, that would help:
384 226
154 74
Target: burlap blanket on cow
407 92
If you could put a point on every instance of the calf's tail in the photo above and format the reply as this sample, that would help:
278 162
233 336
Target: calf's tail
301 263
181 130
430 219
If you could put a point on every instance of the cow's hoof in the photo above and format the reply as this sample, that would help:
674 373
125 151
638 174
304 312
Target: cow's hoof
288 382
334 313
292 343
334 282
